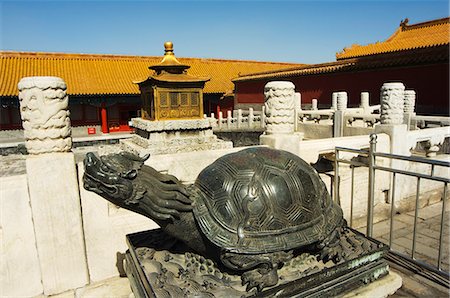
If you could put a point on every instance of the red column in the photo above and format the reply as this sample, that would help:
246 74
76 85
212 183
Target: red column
217 111
104 115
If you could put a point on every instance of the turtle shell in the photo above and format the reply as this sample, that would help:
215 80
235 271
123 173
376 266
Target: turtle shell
261 200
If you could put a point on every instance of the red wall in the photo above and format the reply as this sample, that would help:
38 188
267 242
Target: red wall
431 83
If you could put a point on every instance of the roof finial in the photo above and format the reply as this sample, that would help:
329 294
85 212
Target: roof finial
404 23
168 48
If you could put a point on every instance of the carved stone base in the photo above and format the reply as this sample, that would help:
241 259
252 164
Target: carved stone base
287 142
159 266
173 136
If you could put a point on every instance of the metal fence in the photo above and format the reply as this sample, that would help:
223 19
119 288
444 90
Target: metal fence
369 158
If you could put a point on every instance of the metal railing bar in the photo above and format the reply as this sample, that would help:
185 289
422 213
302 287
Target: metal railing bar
351 196
352 150
418 175
391 226
416 214
441 232
371 186
353 163
413 159
336 177
432 170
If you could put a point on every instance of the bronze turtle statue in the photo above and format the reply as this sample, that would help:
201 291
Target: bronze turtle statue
250 211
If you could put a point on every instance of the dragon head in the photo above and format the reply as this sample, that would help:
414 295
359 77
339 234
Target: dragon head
111 176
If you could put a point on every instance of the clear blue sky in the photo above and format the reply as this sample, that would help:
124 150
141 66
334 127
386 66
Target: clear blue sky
284 31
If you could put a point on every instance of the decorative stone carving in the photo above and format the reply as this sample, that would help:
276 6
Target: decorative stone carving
410 101
392 98
43 108
342 101
364 100
279 107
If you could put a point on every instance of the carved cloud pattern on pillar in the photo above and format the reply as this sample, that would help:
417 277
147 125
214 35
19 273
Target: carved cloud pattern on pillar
392 103
43 108
410 101
279 107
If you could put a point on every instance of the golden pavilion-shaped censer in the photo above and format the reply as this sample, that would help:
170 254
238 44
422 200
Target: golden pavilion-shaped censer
172 118
171 93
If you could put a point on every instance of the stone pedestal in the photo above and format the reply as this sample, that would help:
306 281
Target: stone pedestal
288 142
56 211
20 274
159 266
173 136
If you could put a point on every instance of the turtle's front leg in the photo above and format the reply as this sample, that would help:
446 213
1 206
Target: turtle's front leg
263 276
261 270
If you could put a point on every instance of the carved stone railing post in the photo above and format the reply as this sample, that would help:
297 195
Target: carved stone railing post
251 118
338 119
334 96
392 98
391 118
365 104
53 184
409 108
220 122
279 104
314 104
298 108
410 101
229 120
239 118
279 116
298 101
342 101
44 110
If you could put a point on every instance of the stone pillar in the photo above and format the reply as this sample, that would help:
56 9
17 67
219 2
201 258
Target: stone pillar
409 108
338 120
364 104
314 104
334 96
53 184
279 116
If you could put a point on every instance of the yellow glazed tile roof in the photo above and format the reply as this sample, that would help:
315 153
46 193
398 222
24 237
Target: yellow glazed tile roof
88 74
407 37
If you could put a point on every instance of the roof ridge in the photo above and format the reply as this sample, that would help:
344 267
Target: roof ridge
425 24
352 51
118 56
306 66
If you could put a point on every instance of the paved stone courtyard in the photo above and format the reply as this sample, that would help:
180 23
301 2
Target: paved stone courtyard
427 241
428 231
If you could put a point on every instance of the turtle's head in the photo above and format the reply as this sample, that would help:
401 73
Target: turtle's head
111 177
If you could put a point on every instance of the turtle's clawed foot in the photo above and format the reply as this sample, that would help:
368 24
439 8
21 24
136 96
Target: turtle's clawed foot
260 278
